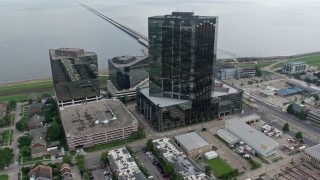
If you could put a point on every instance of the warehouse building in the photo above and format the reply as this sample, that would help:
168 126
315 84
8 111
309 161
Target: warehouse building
124 166
97 122
182 164
312 155
227 136
263 144
193 144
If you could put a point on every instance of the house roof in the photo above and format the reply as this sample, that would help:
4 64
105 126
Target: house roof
41 171
35 109
39 149
42 130
38 138
36 120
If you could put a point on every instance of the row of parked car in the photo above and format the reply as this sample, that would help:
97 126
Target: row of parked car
243 150
157 164
270 131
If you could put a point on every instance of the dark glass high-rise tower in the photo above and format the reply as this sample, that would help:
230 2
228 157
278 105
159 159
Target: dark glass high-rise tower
182 50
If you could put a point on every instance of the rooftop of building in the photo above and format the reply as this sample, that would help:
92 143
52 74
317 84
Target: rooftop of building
222 88
184 15
192 141
40 171
314 151
314 111
294 63
93 117
249 118
126 61
227 136
181 163
250 133
122 162
69 53
163 101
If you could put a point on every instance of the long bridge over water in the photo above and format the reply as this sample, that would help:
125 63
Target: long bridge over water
138 36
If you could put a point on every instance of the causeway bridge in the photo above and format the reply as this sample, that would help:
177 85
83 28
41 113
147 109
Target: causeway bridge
142 39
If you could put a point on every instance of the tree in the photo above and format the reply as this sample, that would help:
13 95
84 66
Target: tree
290 109
168 168
285 127
22 125
25 151
149 145
55 131
86 176
207 170
67 159
104 158
299 135
316 97
12 105
302 114
258 71
24 141
6 157
139 134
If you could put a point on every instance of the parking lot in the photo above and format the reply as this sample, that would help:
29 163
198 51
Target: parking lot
95 169
147 162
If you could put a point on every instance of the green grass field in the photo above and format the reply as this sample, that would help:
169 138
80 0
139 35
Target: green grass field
313 60
19 91
7 137
4 177
261 65
219 167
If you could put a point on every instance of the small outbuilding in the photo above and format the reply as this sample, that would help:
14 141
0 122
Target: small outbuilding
210 155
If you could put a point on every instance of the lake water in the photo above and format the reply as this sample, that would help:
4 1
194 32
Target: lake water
246 28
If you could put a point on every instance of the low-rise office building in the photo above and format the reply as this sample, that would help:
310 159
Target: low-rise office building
97 122
182 164
124 166
193 144
312 155
314 116
263 144
294 67
126 73
235 73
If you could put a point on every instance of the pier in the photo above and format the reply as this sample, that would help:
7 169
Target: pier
142 39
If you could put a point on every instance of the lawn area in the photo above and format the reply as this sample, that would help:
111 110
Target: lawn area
261 65
4 177
7 137
20 87
219 167
103 81
21 97
29 160
313 60
109 145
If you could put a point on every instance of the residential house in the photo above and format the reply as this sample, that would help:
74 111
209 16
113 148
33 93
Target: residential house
3 109
65 171
36 121
297 108
35 108
41 172
38 145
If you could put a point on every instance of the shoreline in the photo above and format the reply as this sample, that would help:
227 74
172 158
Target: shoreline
44 79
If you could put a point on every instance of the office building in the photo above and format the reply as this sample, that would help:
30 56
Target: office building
235 73
124 166
261 143
126 73
75 75
314 116
182 55
182 164
312 155
193 144
294 67
97 122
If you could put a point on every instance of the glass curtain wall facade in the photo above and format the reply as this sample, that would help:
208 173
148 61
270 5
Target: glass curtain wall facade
182 50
